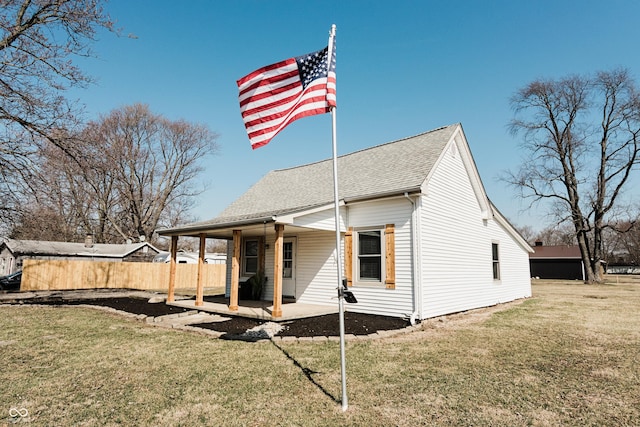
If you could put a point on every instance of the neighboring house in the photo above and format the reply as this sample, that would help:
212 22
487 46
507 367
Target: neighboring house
623 269
621 262
419 236
13 252
556 262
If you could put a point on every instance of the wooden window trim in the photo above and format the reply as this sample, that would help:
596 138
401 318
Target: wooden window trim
390 256
348 256
389 279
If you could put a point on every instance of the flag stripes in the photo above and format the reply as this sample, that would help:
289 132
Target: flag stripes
278 94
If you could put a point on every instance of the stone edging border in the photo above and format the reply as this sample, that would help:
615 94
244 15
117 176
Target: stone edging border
165 322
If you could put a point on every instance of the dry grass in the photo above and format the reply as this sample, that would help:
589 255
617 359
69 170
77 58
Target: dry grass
567 356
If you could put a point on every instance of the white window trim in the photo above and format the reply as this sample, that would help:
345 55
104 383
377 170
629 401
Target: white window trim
356 258
494 262
292 242
246 273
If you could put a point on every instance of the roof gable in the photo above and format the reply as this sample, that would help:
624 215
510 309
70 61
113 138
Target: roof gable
460 145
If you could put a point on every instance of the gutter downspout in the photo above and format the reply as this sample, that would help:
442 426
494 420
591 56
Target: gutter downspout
415 257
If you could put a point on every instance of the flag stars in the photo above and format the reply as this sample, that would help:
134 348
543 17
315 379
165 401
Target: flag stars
273 96
313 66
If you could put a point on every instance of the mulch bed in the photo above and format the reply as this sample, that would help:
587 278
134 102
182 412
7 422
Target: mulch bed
327 325
128 304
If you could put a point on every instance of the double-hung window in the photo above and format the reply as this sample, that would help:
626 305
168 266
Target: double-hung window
370 256
250 257
369 262
495 257
287 260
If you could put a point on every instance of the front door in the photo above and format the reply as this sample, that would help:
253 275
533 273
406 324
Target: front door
289 267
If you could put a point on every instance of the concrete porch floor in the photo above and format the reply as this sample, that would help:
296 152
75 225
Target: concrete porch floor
257 309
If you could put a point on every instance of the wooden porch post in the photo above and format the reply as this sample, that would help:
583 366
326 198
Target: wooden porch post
235 270
200 286
172 269
277 272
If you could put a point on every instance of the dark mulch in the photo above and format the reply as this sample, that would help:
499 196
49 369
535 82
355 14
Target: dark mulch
128 304
328 325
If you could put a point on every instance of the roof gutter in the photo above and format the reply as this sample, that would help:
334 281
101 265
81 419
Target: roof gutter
177 231
195 228
384 195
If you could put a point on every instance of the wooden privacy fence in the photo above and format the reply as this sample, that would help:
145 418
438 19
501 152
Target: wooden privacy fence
40 275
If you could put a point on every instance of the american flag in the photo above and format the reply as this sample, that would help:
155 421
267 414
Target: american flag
276 95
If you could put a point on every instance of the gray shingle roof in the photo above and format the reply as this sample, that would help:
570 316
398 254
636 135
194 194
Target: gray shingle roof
38 247
393 167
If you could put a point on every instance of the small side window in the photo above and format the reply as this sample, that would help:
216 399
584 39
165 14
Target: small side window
495 256
287 260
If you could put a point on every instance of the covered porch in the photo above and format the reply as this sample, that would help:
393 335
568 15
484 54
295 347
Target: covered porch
267 235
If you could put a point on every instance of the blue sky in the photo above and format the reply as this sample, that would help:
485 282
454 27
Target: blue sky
403 68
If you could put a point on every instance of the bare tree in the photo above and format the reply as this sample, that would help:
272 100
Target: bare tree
155 162
42 222
217 246
557 235
623 243
38 40
527 232
75 191
581 134
131 172
59 205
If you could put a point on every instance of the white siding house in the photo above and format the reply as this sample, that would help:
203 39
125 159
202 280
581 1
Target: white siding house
419 236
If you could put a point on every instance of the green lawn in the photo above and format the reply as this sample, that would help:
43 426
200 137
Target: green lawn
568 356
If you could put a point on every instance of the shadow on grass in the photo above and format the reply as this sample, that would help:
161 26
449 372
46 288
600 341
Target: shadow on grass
307 373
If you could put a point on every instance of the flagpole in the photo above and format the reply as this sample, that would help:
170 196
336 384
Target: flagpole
343 372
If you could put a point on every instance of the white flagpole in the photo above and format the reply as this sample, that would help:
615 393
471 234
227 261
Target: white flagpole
345 402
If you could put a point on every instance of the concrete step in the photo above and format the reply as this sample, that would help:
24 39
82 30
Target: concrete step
190 319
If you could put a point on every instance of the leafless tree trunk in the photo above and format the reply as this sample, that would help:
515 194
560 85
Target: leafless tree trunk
581 134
